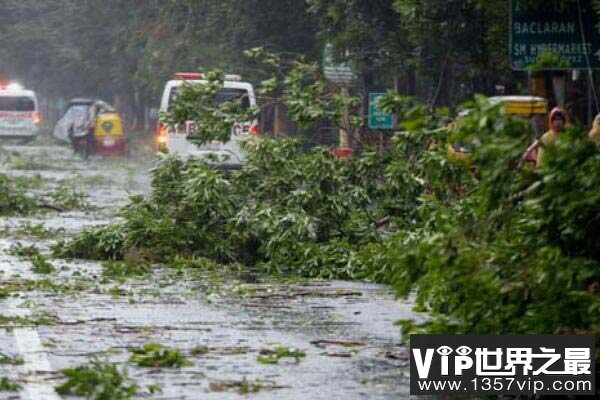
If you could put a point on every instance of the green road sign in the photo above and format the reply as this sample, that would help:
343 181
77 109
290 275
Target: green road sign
378 119
569 29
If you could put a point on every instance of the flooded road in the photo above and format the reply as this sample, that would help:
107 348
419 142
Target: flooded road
222 323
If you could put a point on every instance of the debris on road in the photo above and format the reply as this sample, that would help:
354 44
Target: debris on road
212 321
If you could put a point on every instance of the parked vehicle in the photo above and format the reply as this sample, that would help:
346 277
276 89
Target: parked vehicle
19 113
92 127
174 140
522 106
530 108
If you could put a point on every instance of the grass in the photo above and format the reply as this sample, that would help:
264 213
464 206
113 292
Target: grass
273 356
98 381
154 355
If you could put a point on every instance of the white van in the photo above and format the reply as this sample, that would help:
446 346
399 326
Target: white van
175 139
19 113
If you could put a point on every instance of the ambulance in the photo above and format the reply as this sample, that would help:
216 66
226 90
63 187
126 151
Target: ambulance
175 140
19 113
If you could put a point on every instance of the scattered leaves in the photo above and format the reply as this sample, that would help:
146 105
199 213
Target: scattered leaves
155 355
6 385
98 381
8 360
273 356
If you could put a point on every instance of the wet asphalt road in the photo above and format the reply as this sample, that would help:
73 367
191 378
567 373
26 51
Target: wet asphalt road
347 330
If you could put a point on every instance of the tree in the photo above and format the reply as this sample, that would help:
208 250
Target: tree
441 50
124 50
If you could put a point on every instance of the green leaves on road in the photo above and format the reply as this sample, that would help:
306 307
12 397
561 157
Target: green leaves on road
13 198
273 356
40 264
155 355
7 385
98 381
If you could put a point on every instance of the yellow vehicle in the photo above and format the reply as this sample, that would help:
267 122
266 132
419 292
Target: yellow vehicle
109 134
534 109
92 127
522 106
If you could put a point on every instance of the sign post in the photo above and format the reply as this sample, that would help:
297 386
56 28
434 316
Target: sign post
342 74
379 119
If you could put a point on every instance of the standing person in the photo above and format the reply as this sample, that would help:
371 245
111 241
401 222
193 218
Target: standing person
594 134
558 122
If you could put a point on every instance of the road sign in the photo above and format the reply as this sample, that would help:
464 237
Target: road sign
337 72
379 119
569 29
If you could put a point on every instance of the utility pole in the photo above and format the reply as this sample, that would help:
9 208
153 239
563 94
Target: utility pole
344 134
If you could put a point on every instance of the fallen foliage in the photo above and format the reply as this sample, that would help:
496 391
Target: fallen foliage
40 264
273 356
7 385
155 355
98 381
13 198
488 245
